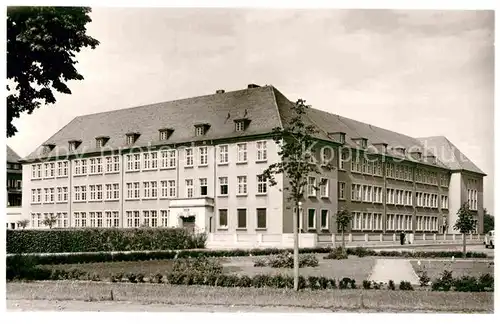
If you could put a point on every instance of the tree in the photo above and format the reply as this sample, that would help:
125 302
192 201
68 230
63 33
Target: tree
343 220
50 220
41 46
295 142
465 224
23 223
488 222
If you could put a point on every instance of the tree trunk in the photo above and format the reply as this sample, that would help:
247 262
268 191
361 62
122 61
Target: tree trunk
296 248
464 245
343 240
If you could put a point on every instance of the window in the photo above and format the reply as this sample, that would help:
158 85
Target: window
137 218
223 186
240 125
109 191
324 189
93 166
189 188
203 187
164 217
324 219
189 157
390 196
390 222
168 159
203 156
342 160
146 218
377 221
108 219
356 221
163 135
154 218
311 187
76 219
261 151
261 218
242 218
223 218
311 218
242 152
129 218
200 130
377 195
99 192
133 190
92 190
341 190
168 189
444 202
133 162
242 185
62 169
367 193
150 160
150 189
33 196
223 154
261 184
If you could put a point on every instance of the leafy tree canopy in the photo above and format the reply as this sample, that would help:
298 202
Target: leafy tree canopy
465 222
488 222
41 46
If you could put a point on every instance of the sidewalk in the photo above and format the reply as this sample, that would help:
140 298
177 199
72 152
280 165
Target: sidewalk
394 269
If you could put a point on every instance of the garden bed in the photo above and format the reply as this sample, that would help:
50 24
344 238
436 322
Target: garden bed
434 268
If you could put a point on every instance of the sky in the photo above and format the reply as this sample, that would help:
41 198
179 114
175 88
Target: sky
421 73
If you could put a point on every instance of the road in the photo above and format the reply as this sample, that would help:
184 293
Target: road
118 306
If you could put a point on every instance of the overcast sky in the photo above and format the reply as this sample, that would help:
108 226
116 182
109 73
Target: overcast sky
422 73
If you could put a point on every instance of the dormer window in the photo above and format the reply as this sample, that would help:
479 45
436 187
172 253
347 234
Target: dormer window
73 145
381 147
48 147
201 129
132 137
400 150
338 137
101 141
241 124
165 133
363 142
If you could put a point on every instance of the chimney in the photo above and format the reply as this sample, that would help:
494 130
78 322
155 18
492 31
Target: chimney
220 91
416 155
252 85
400 150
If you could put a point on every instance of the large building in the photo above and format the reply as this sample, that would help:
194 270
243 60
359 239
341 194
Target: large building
14 189
197 162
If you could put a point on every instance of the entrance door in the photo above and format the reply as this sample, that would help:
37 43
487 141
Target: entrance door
188 223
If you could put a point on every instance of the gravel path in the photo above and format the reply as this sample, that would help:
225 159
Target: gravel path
394 269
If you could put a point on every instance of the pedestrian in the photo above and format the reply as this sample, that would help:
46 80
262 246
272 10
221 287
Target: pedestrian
402 237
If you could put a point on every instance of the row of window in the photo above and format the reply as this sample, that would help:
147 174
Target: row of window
14 184
427 223
366 221
241 218
427 177
49 195
311 218
361 165
97 165
62 220
399 197
394 222
324 188
167 159
49 170
398 171
363 193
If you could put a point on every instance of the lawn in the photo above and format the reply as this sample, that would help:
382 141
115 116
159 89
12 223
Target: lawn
459 268
354 267
339 300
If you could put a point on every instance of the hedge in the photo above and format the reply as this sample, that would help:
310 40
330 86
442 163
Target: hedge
101 239
174 254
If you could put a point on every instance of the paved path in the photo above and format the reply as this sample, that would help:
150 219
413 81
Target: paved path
394 269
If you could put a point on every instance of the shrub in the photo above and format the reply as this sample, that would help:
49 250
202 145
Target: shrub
424 279
132 277
405 285
285 260
156 278
391 285
117 277
336 254
486 282
444 283
377 285
347 283
362 252
466 284
102 239
367 284
203 265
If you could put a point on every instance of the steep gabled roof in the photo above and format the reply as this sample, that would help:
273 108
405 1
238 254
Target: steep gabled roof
265 106
217 110
449 154
12 156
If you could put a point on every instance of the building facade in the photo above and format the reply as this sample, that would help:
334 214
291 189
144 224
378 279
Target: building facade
196 163
14 189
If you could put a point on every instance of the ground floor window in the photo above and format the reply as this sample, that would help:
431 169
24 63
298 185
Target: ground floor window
223 218
324 218
311 218
261 218
242 218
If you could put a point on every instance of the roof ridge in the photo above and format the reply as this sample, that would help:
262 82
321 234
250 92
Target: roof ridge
173 101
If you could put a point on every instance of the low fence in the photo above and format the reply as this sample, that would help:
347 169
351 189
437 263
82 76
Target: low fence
264 240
